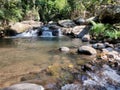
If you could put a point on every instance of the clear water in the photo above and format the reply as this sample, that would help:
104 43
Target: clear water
19 56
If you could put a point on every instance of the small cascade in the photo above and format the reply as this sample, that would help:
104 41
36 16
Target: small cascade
47 34
43 32
59 32
28 33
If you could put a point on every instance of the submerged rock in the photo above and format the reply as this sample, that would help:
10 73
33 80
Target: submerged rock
88 50
64 49
25 86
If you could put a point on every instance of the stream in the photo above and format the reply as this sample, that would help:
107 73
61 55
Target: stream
29 54
19 56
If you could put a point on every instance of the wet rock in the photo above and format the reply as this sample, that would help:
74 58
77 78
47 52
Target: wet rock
107 45
88 50
66 23
71 87
98 46
118 59
64 49
87 67
113 55
2 34
67 31
25 86
107 50
111 74
86 38
113 64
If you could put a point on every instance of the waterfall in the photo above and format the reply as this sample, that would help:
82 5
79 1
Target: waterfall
59 32
28 33
47 34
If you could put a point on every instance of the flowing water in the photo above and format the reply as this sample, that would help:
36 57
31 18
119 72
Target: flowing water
19 56
26 53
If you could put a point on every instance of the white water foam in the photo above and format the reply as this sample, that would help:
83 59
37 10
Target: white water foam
47 34
29 33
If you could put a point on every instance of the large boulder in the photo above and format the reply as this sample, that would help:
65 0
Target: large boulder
110 14
24 86
87 50
25 25
80 31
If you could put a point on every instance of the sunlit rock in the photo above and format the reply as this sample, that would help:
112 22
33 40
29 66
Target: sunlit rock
25 86
64 49
88 50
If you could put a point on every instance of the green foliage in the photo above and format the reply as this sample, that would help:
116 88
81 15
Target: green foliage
100 30
52 9
112 33
17 10
97 28
10 11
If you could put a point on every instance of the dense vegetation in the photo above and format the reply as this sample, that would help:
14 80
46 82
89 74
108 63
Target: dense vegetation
17 10
47 10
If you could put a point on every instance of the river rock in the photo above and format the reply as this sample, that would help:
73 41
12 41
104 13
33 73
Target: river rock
66 23
80 31
86 38
64 49
88 50
98 45
72 87
107 45
113 55
25 25
25 86
87 67
67 31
